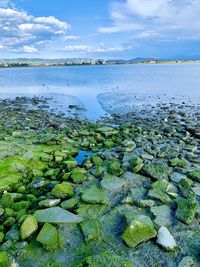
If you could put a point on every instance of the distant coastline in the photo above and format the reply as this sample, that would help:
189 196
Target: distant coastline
14 63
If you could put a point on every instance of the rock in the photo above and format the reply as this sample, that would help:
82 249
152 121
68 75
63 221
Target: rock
112 183
139 230
63 190
194 175
47 203
163 216
4 260
91 230
97 161
1 237
186 210
138 194
115 168
176 162
165 239
48 237
70 203
94 195
186 188
156 171
78 175
56 215
186 262
28 227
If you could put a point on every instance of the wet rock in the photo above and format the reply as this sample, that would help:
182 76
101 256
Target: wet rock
194 175
47 203
48 237
165 239
70 203
114 168
28 227
112 183
163 215
78 175
56 215
156 171
186 210
176 162
4 259
90 229
63 190
140 229
94 195
186 262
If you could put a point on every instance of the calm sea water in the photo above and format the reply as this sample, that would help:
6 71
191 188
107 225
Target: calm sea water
101 89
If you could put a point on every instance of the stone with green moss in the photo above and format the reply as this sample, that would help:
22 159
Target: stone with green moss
63 190
194 175
4 259
6 200
114 168
94 195
2 235
186 210
176 162
28 227
70 203
91 230
185 186
156 171
48 237
21 205
78 175
97 161
141 229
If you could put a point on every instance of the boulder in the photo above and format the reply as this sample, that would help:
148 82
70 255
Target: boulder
91 230
165 239
56 215
194 175
28 227
48 236
63 190
94 195
156 171
139 230
186 210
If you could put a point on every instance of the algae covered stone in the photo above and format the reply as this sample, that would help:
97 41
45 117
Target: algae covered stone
91 230
140 229
194 175
4 260
156 171
114 168
63 190
48 236
28 227
94 195
186 210
78 175
56 215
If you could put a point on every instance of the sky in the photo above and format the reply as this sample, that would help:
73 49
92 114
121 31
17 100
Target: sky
123 29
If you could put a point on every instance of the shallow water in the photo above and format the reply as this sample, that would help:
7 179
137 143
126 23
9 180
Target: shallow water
102 89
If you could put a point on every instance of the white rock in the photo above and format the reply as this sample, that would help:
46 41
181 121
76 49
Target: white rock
165 239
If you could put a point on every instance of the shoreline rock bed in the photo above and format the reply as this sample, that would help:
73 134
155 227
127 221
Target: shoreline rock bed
132 200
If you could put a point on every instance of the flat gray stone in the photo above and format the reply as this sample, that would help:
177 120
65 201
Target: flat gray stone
56 215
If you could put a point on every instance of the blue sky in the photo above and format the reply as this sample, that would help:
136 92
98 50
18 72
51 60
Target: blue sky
100 28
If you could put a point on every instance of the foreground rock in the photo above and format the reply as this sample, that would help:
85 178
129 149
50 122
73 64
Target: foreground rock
56 215
165 239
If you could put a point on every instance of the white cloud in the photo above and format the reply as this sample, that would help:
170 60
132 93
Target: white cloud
150 18
98 49
71 37
20 31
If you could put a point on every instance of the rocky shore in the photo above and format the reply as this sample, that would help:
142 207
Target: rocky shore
123 192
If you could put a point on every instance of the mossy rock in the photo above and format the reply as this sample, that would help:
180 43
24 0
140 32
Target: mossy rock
176 162
140 229
114 168
28 227
70 203
4 260
94 195
91 230
63 190
186 210
194 175
156 171
185 186
78 175
48 237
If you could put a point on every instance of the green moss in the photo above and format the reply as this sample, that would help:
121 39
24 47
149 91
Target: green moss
63 190
156 171
94 195
176 162
4 260
48 237
91 230
114 168
28 227
186 210
194 175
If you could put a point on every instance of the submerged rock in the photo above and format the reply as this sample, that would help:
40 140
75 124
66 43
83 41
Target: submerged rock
139 230
186 262
56 215
94 195
165 239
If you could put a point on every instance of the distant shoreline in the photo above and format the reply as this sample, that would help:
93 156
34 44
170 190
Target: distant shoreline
37 65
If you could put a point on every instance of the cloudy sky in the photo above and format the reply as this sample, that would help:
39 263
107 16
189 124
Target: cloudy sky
100 28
